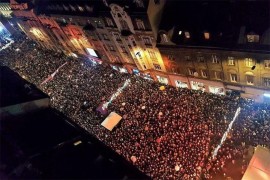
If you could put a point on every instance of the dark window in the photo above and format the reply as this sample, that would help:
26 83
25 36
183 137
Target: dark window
157 1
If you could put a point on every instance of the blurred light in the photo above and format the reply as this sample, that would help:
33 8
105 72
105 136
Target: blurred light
266 95
207 35
77 143
74 55
187 35
180 32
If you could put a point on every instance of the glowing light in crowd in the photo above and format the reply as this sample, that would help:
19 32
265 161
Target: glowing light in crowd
119 90
7 45
226 132
266 95
51 76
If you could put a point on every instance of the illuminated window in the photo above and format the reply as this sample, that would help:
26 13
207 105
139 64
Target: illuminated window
249 62
250 79
207 35
253 38
233 77
187 34
140 24
80 8
266 82
231 61
215 58
204 73
267 63
164 38
139 54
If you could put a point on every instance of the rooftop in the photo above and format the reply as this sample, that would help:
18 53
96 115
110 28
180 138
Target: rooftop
225 22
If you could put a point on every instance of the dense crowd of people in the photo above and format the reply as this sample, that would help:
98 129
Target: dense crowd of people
167 134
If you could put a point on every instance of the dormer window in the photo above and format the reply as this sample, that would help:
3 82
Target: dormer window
253 38
81 8
187 34
206 35
164 38
249 62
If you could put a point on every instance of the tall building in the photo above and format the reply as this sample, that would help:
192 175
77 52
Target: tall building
217 46
118 32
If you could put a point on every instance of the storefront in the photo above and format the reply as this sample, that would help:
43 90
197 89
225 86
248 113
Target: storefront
163 80
195 85
215 87
179 81
217 90
181 84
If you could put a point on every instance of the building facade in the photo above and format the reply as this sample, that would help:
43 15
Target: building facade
118 32
202 53
214 49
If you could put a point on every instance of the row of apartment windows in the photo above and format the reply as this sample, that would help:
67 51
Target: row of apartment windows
233 77
251 38
139 23
249 62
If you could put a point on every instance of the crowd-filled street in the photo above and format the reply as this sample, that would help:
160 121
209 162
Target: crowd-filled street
167 134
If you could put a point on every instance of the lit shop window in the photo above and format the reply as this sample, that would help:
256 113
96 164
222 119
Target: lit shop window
162 80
